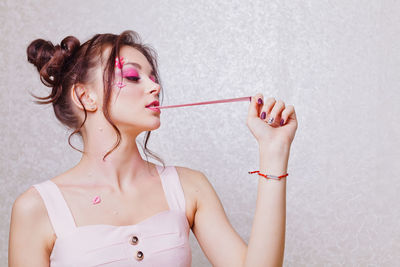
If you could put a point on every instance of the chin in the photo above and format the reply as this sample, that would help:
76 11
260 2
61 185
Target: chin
154 126
139 127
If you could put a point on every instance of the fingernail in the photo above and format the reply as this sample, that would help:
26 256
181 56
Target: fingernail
282 121
260 101
271 120
263 114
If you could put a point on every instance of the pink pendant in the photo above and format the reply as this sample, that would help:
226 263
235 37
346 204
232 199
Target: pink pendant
96 200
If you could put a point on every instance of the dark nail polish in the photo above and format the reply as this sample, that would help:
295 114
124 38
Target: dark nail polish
282 121
260 101
263 115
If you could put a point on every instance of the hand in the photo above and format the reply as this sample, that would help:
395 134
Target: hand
272 134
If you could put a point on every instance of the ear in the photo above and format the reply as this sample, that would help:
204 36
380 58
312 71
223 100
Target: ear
88 98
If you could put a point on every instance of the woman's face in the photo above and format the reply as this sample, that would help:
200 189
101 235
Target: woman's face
133 89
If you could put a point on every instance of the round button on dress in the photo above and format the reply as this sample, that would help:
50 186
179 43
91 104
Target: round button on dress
139 255
134 240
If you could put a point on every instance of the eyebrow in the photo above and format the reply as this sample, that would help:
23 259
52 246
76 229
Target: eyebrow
138 66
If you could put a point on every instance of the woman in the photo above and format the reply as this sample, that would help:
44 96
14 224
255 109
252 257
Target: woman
116 209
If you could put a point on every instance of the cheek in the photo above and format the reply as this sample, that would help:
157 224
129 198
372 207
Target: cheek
128 99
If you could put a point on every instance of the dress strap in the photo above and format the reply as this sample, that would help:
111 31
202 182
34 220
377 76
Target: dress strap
60 215
172 187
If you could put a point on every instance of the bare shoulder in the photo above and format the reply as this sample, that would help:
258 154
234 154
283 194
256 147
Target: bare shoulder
196 184
29 205
192 178
30 227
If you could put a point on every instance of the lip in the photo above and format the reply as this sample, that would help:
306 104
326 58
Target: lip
154 109
155 102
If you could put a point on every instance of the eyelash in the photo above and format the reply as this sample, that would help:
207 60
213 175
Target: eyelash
136 78
133 78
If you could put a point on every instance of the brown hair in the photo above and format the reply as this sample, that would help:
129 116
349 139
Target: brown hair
62 66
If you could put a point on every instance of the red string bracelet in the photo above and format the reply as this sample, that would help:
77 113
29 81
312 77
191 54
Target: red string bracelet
270 176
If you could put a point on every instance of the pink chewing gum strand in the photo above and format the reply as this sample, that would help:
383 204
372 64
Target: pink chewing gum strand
246 98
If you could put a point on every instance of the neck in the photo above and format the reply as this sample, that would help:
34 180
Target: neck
123 167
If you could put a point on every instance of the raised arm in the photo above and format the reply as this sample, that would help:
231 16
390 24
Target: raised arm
219 241
267 240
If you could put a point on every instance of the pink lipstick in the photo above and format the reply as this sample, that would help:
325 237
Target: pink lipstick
154 106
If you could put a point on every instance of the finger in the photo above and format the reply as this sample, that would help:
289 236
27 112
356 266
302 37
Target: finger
268 105
275 114
254 107
288 113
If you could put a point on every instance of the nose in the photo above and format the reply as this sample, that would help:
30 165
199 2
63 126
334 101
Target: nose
155 88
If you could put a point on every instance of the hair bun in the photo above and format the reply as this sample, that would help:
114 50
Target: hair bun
39 52
69 45
49 59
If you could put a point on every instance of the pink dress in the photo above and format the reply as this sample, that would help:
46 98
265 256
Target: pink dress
160 240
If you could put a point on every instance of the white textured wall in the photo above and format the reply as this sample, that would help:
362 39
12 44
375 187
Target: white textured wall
337 62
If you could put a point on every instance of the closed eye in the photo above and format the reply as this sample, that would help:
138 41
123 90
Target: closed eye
133 78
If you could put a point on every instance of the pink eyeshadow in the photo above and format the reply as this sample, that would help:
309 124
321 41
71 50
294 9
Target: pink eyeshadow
130 72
